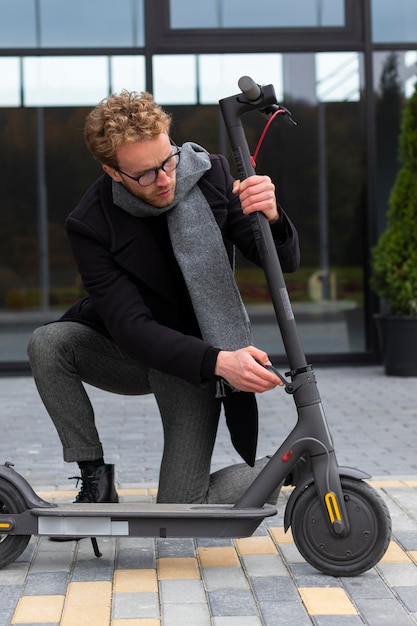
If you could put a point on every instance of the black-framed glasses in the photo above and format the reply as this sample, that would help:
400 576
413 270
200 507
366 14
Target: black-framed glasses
149 177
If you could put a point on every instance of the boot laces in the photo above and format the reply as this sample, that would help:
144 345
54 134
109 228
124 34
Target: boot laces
89 491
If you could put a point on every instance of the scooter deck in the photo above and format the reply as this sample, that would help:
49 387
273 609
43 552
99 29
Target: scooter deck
138 520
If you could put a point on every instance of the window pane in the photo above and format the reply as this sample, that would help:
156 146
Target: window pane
219 73
95 23
395 74
10 82
410 59
323 188
395 71
337 76
69 172
127 73
217 76
17 24
175 79
394 21
62 81
247 14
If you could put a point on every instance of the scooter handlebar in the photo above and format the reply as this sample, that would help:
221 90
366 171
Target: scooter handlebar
253 92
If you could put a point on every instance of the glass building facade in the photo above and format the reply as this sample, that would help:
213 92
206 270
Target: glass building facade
344 68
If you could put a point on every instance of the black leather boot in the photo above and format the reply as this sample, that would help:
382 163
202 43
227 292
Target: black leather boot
97 485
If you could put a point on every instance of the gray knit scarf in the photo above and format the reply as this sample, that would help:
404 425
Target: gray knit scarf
200 251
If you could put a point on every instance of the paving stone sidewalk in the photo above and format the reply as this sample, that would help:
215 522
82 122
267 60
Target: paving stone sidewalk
256 581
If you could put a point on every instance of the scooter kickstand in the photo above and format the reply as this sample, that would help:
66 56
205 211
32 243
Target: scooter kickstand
95 547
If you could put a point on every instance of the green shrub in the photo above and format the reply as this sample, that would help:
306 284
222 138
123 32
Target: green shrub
394 258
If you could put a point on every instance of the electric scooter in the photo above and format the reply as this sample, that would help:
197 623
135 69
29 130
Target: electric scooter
340 524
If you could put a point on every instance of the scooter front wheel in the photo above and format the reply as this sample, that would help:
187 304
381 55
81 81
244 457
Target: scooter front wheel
11 546
361 549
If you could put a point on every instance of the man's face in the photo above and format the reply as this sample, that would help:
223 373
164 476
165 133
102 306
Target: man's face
136 159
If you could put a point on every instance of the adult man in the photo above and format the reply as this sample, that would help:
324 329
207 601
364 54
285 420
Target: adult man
162 315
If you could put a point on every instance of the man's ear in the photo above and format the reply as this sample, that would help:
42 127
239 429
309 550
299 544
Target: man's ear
114 174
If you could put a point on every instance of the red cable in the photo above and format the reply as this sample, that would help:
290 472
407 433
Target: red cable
262 137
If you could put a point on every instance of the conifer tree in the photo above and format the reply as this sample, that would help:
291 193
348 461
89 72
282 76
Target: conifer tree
394 258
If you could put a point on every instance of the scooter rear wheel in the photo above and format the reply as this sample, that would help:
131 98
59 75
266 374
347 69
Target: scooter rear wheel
365 545
11 546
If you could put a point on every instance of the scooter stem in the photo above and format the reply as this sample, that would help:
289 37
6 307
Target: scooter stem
232 109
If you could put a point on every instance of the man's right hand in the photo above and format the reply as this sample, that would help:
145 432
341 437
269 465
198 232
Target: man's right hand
246 370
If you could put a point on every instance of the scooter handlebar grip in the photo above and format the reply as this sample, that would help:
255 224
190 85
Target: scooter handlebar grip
249 88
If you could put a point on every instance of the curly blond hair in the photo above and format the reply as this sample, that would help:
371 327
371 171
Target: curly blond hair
122 118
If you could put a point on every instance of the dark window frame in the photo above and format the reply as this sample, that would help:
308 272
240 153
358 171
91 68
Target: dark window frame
161 38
